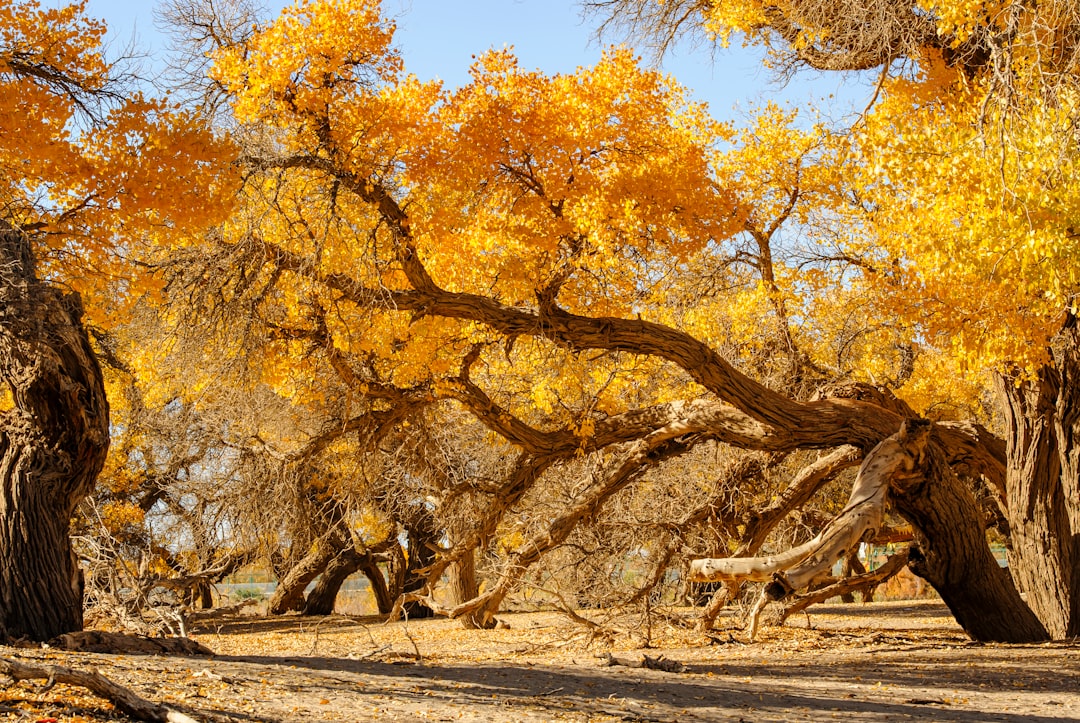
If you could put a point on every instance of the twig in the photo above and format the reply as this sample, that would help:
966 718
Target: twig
416 648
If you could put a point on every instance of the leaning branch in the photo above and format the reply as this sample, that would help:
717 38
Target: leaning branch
848 585
896 458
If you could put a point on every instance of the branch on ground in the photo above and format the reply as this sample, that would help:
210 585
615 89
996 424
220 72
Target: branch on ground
123 698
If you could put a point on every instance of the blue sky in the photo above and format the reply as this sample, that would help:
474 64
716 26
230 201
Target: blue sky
439 37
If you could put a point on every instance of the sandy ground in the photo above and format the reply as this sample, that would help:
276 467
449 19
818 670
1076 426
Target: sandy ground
877 662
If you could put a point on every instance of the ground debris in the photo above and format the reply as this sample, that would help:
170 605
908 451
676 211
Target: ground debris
657 663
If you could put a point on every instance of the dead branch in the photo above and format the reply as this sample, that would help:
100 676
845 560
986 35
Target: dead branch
896 458
657 663
98 641
123 698
892 566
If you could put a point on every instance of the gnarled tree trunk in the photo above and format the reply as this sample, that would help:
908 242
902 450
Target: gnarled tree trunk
952 554
54 435
423 540
1043 484
289 594
321 599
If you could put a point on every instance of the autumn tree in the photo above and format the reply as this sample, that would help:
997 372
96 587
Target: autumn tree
84 193
511 247
965 216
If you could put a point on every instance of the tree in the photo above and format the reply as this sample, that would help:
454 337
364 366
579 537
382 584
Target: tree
54 436
369 197
968 212
85 161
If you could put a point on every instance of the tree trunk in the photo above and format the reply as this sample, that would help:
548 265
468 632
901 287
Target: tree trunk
54 435
952 554
463 587
289 594
423 537
1043 484
384 599
321 599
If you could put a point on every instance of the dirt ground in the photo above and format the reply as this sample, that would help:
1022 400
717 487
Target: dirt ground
877 662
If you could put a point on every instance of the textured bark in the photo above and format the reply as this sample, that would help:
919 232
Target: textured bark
53 444
738 409
423 543
861 518
463 586
1043 484
801 490
289 594
862 581
321 599
952 555
123 698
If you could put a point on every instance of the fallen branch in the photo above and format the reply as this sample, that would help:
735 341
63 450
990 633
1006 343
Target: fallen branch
99 641
123 698
659 663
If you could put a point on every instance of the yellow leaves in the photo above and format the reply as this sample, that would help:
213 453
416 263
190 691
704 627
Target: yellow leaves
980 229
533 172
316 53
117 516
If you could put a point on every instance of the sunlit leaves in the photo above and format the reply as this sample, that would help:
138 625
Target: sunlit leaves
107 175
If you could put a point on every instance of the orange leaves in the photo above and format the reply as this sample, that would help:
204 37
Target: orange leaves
110 175
316 54
585 183
539 174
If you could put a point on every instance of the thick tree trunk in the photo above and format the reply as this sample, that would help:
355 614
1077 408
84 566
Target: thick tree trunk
289 594
1043 484
463 586
952 554
54 435
321 599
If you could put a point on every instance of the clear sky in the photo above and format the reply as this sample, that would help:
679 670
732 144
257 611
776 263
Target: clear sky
438 39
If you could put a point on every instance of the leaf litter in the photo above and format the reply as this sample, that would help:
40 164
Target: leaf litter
876 662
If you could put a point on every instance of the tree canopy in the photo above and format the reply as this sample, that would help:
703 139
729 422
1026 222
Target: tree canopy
497 324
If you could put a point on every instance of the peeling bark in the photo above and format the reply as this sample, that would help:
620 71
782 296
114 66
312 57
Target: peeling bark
951 553
739 410
952 556
863 581
796 568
